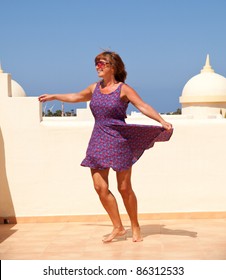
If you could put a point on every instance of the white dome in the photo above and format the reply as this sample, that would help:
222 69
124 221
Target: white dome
204 95
17 90
207 86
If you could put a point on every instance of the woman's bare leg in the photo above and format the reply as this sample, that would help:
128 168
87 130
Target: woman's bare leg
130 201
100 180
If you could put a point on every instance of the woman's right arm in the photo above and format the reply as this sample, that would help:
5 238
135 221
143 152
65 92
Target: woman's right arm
82 96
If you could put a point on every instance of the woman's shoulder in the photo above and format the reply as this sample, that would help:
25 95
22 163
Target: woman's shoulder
93 86
126 88
126 91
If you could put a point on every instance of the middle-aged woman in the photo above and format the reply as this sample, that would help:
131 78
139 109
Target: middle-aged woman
113 143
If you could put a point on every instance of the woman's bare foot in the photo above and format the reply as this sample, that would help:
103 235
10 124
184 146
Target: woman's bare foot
137 234
117 232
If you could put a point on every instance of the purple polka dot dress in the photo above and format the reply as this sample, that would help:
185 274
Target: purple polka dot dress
113 142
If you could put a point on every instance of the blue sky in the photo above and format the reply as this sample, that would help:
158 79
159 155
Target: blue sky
49 46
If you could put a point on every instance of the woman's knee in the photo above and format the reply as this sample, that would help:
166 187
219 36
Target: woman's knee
100 181
124 182
101 189
125 189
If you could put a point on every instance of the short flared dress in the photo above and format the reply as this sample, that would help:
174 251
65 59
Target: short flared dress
114 143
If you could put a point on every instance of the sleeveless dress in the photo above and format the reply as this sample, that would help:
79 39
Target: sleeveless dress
113 142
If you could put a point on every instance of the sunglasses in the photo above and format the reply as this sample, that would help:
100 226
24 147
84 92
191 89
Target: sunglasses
101 64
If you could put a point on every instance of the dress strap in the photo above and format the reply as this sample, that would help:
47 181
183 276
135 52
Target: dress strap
97 86
120 86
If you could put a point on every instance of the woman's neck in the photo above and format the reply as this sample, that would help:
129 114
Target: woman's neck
108 82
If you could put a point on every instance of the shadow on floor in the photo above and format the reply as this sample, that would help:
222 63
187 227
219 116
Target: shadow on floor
148 230
6 231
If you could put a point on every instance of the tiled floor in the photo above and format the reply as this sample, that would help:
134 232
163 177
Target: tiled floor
180 239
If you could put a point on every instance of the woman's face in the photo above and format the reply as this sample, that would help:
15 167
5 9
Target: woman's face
104 68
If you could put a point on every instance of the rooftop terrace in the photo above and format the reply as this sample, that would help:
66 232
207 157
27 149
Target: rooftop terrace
175 239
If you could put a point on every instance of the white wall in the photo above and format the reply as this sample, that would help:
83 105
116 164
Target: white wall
40 172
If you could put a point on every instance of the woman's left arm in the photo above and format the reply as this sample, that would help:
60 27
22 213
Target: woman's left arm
143 107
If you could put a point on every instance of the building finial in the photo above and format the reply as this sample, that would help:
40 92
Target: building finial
1 71
207 67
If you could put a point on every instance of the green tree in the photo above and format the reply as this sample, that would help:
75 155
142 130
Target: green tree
58 113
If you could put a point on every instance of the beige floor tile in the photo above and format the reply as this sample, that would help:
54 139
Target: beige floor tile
22 256
163 239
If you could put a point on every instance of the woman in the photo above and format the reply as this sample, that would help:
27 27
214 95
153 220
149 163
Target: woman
115 144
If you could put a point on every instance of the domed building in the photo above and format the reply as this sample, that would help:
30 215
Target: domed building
204 95
16 89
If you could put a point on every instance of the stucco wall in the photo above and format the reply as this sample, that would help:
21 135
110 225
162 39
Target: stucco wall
41 173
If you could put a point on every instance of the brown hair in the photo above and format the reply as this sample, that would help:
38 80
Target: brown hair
116 62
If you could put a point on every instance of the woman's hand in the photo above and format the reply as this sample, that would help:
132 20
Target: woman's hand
166 125
46 97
